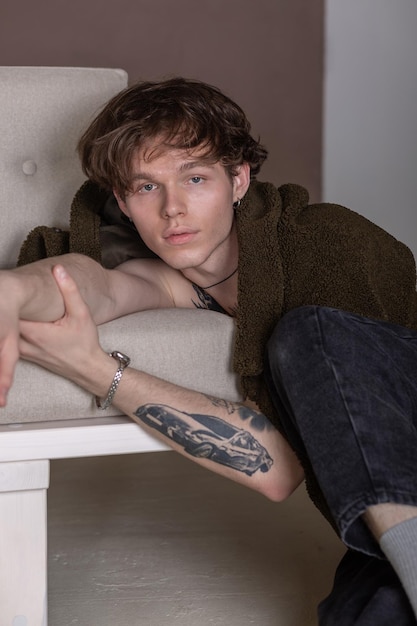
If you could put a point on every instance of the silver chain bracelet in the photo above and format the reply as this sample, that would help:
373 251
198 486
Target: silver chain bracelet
123 363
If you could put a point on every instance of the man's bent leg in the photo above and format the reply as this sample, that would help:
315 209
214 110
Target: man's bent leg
346 388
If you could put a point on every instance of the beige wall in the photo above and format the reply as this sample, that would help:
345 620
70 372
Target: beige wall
266 54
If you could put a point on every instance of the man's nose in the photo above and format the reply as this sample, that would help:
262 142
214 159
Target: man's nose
173 205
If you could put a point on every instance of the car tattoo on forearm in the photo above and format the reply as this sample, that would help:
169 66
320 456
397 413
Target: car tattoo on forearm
209 437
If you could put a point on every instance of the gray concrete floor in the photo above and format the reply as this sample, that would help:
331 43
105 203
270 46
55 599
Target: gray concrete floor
154 540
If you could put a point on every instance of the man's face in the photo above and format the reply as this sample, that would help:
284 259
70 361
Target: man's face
182 206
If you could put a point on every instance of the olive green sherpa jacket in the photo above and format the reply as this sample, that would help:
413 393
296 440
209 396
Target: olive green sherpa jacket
290 254
293 254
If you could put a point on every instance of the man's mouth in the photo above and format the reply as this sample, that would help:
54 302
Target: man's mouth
178 236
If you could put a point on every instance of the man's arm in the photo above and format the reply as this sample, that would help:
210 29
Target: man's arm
232 439
31 293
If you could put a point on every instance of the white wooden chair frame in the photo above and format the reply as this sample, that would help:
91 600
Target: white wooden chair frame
25 454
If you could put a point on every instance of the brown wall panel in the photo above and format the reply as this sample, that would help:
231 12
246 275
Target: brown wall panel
266 54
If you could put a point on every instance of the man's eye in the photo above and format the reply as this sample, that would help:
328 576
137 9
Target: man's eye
148 187
196 179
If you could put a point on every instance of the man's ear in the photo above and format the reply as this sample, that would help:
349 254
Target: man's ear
241 181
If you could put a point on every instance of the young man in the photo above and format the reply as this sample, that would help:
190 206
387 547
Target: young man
326 342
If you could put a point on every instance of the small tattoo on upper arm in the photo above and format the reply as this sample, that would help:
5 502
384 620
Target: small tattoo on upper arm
208 436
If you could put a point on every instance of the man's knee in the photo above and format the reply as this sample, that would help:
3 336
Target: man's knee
307 329
294 330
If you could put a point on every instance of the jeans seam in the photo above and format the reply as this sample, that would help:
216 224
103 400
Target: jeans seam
345 404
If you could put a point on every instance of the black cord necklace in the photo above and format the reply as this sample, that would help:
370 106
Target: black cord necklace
220 281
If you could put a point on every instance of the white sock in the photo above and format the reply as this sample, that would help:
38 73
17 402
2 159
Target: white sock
399 544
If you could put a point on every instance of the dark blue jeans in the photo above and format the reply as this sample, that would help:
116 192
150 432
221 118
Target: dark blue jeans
346 390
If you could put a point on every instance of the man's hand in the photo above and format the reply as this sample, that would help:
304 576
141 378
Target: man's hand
36 292
69 347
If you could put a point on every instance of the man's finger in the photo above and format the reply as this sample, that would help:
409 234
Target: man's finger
73 301
8 360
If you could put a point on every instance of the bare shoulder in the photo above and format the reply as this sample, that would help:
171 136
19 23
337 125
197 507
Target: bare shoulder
163 285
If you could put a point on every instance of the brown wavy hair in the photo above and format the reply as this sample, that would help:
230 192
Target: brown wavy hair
186 114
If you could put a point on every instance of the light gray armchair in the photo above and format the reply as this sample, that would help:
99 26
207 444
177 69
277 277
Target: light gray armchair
42 114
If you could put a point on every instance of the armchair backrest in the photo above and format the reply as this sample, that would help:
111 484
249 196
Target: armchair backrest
43 111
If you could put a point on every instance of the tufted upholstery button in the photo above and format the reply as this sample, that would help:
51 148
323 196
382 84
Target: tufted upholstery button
29 167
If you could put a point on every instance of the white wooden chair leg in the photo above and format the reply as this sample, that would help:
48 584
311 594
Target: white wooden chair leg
23 543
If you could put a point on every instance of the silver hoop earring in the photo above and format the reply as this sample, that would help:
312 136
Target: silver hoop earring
237 204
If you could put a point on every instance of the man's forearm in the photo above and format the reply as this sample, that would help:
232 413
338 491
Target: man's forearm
232 439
